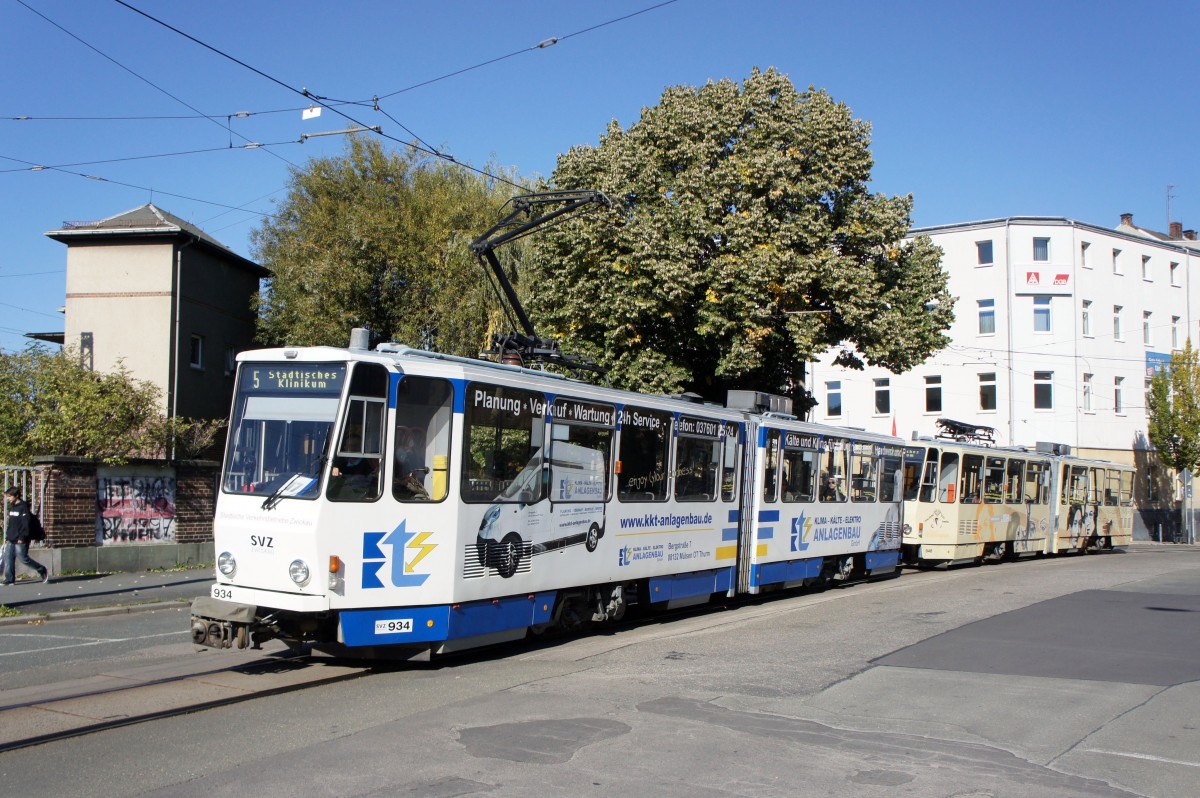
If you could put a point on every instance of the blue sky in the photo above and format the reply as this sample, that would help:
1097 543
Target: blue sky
980 110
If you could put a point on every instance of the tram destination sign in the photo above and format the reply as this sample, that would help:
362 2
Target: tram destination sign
306 378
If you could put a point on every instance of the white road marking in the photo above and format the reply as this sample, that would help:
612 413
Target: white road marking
94 641
1150 757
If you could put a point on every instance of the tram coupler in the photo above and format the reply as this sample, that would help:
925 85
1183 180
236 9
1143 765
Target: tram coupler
223 624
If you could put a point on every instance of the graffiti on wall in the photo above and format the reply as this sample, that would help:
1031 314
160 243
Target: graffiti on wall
135 505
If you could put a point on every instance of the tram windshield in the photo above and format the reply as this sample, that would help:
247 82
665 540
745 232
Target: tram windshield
282 417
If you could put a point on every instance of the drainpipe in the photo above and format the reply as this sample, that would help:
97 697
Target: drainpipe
1008 300
177 290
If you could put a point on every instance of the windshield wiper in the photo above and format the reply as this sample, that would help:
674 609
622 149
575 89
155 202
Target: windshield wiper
293 485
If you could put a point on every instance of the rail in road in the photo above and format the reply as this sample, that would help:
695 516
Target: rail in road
42 713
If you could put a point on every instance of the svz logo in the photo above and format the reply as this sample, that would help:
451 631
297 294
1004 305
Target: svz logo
263 542
801 532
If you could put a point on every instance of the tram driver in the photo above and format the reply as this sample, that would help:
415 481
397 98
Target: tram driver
409 481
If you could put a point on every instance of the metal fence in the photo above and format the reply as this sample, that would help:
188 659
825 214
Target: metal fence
31 481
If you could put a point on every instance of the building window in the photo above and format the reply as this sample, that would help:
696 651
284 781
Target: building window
987 391
1117 323
933 394
86 351
1041 249
1087 393
1175 274
1084 260
1146 338
1085 325
230 360
1043 390
1041 314
1146 267
196 359
1116 261
1174 332
1118 405
883 396
987 317
833 398
984 250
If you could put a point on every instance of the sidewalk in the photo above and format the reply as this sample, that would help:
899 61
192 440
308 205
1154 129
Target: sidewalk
96 594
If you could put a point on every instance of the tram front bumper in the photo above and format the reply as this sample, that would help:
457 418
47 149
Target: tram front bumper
222 624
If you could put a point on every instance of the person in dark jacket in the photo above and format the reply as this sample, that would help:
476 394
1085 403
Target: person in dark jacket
16 538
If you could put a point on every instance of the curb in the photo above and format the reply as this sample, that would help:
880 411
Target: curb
92 612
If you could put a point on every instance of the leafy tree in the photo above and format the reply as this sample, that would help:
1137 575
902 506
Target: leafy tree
743 241
1173 411
51 405
378 239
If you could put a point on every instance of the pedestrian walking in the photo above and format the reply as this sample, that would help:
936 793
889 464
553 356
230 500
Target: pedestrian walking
21 523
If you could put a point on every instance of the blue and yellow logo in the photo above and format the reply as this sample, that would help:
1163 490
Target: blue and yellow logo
402 543
801 533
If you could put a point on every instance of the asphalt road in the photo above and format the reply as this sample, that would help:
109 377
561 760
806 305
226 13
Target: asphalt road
1071 677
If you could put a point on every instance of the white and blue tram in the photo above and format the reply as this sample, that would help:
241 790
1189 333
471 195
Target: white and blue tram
404 501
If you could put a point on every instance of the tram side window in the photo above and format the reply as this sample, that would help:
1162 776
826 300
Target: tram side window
1079 485
1112 489
580 450
972 479
833 470
1013 481
799 473
357 472
1126 488
771 466
929 477
697 457
891 488
1095 485
948 477
421 454
642 455
1037 483
914 463
862 468
993 480
729 461
503 441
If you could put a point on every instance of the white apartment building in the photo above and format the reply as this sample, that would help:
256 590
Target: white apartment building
1058 327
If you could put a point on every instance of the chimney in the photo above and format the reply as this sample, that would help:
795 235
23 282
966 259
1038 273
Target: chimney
1176 231
1189 235
1127 220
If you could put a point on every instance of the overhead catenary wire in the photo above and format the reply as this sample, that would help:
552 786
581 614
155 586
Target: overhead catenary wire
142 78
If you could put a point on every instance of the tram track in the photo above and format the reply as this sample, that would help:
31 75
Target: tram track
47 713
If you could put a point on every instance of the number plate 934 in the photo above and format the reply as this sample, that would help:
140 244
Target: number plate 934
393 626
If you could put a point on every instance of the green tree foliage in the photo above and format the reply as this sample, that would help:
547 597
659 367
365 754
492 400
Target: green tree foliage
378 239
743 242
51 405
1173 411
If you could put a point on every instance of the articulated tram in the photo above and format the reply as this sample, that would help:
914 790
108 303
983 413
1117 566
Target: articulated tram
967 502
405 501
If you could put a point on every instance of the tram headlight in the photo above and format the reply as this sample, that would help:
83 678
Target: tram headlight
298 571
226 564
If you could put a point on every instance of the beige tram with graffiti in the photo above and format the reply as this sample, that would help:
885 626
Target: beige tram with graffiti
969 501
1095 506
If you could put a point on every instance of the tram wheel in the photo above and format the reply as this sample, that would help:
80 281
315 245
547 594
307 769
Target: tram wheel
593 537
509 555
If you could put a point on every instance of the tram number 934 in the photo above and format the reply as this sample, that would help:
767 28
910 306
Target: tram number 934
220 592
393 626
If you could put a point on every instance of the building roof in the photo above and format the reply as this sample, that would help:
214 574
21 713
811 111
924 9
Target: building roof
1185 240
149 221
